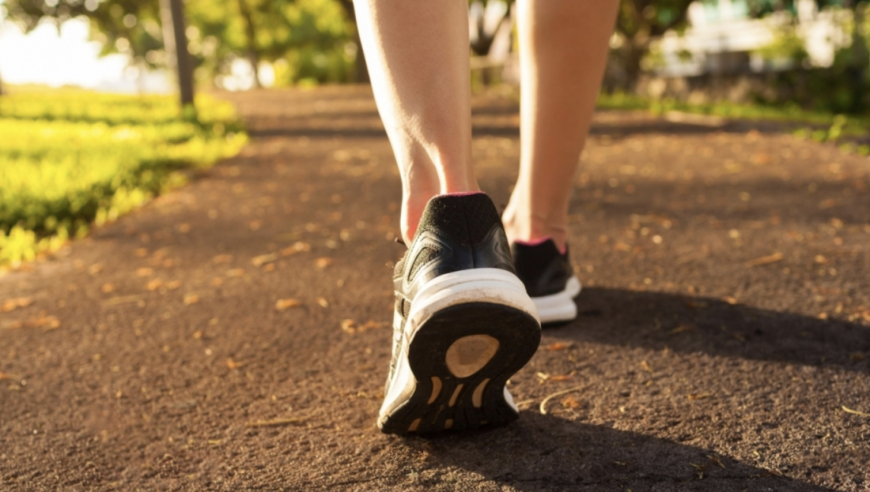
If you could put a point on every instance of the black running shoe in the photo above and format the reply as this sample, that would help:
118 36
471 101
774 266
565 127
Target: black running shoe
549 279
463 322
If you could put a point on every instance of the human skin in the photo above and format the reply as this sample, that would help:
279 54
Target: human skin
418 58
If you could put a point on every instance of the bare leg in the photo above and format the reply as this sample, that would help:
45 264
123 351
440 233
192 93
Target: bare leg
417 52
563 51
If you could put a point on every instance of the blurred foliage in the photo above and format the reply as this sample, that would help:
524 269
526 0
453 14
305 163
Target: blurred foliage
820 125
844 87
305 40
77 157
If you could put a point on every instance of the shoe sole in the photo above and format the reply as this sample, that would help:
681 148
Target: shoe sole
559 307
460 357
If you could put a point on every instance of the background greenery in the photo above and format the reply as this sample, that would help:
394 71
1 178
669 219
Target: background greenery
71 158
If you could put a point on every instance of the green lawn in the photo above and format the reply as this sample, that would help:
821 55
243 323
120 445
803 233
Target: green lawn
69 159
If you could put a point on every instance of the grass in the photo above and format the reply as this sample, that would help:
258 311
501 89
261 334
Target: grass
70 159
820 126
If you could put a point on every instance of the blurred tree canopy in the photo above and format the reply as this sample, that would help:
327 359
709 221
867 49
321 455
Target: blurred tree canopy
309 40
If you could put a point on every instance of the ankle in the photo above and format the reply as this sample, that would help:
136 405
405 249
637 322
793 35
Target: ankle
533 229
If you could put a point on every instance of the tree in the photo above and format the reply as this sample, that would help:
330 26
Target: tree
132 27
361 70
638 24
175 43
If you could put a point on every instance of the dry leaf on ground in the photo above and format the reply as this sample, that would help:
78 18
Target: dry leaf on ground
190 299
154 284
323 262
698 396
261 260
233 364
298 247
41 321
13 304
283 304
570 402
765 260
559 346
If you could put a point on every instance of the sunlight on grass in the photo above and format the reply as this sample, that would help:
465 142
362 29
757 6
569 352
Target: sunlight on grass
71 159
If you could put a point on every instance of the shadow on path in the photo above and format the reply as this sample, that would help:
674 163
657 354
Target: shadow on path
542 452
695 324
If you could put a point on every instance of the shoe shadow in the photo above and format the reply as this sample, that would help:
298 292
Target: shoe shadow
544 452
695 324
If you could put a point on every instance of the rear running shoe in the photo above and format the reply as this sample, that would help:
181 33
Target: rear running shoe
549 279
463 322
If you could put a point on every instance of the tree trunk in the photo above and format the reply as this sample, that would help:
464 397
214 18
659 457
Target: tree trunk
175 43
360 73
251 35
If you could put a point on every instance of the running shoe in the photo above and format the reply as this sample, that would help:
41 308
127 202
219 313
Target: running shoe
549 279
463 322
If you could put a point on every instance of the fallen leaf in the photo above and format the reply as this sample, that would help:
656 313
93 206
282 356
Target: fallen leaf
13 304
190 299
298 247
348 326
154 285
322 302
559 346
570 402
645 366
283 304
561 377
323 262
765 260
261 260
276 422
698 396
681 329
717 460
730 300
233 364
41 321
217 260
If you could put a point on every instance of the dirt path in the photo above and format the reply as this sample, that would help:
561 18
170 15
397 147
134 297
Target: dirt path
724 335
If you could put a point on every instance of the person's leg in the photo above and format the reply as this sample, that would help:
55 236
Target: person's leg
417 54
563 51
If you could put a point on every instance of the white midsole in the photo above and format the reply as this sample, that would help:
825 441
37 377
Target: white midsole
559 306
490 285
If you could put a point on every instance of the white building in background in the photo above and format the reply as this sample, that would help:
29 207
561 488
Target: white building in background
721 37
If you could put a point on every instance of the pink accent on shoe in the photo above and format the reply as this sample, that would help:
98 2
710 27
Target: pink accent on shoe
464 193
539 241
